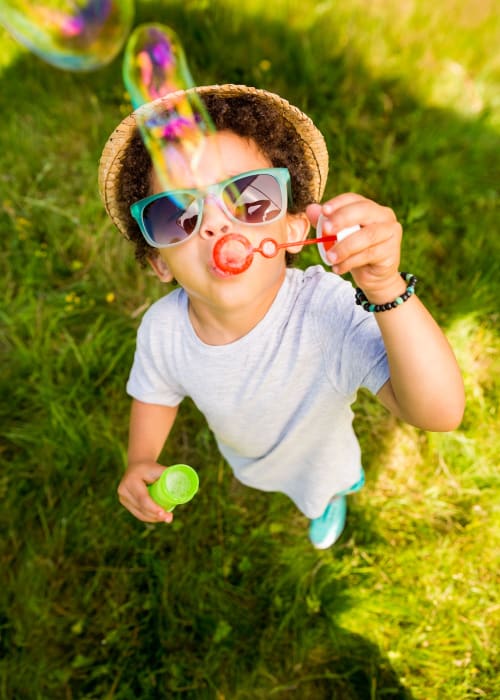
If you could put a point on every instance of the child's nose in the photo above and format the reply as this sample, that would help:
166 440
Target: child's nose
214 222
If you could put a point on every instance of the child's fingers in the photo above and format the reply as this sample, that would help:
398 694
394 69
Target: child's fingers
152 510
378 244
365 238
389 233
355 210
313 212
375 257
143 506
148 514
342 200
159 517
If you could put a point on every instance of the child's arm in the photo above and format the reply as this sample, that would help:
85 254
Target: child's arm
150 425
425 387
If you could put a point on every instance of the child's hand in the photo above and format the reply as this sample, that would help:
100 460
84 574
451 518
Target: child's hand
134 495
371 254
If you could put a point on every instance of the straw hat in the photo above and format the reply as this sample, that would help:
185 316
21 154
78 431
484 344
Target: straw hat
315 153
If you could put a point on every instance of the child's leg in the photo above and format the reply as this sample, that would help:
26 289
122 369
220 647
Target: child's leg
326 529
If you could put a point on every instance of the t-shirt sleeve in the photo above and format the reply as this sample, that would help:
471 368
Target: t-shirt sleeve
150 378
352 345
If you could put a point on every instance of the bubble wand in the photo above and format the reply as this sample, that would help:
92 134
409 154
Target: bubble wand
233 253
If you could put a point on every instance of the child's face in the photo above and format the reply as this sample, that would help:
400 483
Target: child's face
191 263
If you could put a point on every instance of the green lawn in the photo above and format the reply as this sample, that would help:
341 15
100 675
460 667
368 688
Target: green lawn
231 602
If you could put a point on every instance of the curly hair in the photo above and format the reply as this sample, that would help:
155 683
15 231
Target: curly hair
244 115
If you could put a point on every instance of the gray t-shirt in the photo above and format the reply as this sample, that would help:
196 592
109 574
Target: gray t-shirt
277 400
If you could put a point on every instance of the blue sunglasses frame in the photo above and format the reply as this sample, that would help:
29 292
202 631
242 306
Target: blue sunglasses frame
138 209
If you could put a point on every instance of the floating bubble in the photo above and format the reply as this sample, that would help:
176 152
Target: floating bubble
154 64
174 131
78 35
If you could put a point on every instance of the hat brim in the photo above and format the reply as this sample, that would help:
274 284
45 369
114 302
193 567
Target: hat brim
314 149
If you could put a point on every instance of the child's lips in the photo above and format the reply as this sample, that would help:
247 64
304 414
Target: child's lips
216 270
221 274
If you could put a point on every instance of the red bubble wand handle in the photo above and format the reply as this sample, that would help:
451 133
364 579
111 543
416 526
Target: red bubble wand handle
233 253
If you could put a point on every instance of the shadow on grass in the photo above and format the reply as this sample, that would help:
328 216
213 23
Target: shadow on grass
230 602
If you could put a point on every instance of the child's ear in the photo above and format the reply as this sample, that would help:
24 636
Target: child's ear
160 267
298 228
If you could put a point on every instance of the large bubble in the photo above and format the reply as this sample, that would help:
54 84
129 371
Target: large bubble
154 64
77 35
174 130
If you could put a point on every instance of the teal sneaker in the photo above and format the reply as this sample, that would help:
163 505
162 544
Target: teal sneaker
326 529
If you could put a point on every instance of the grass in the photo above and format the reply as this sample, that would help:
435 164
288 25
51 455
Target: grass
231 602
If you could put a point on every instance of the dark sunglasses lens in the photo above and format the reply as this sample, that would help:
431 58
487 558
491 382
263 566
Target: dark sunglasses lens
254 199
171 220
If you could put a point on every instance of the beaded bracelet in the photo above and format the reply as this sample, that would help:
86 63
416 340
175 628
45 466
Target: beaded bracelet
410 280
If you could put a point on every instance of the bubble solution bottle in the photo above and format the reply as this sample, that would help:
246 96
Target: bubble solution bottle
177 484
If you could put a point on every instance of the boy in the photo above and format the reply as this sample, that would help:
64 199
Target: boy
273 357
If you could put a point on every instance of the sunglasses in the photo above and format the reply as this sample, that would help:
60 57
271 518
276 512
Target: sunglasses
253 198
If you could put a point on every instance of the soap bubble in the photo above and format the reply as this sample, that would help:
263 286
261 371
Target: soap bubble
175 139
174 131
154 64
78 35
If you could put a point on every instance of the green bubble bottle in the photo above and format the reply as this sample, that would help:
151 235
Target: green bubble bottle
177 484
